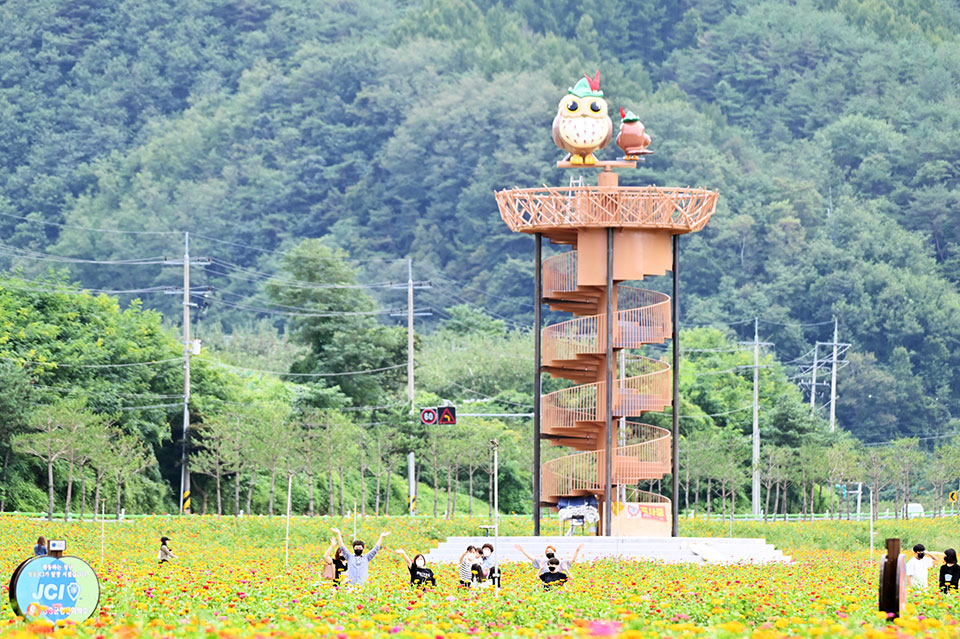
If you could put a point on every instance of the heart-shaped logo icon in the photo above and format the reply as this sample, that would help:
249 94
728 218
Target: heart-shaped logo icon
633 510
74 591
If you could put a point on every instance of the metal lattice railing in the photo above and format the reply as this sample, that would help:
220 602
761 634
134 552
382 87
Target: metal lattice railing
569 407
681 210
585 473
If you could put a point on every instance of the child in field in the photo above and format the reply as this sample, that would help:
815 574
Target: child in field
41 548
918 567
471 571
165 553
420 575
336 565
488 564
553 575
949 571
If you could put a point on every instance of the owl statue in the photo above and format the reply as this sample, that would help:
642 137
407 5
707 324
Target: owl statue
582 124
633 138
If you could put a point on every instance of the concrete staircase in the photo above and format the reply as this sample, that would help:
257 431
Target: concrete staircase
699 550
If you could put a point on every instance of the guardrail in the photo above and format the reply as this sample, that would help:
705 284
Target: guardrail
799 517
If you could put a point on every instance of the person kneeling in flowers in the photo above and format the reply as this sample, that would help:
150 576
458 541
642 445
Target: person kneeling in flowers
553 576
358 563
420 575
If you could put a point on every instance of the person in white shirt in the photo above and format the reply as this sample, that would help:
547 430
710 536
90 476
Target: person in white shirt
918 567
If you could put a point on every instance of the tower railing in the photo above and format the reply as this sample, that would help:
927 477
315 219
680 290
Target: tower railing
682 210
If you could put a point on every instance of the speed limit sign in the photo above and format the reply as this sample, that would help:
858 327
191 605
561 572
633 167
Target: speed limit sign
428 416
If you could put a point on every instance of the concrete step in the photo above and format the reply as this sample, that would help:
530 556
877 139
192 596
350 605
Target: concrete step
712 550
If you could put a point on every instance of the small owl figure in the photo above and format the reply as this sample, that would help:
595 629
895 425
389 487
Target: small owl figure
582 124
633 138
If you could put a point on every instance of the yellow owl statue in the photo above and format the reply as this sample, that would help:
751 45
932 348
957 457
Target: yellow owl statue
582 125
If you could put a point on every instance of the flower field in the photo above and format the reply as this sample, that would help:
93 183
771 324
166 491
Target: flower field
230 581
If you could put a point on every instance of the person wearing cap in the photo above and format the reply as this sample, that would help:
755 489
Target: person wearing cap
918 567
551 553
165 553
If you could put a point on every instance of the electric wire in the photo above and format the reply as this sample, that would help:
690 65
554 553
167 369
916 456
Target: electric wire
69 365
90 228
13 251
341 374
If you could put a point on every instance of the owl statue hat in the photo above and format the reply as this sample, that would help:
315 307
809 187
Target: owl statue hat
587 87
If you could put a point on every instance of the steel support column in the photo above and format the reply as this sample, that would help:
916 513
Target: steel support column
675 465
537 323
608 457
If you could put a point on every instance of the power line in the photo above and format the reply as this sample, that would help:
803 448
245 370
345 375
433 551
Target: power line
269 311
67 365
177 405
90 228
729 412
276 252
361 372
13 251
289 282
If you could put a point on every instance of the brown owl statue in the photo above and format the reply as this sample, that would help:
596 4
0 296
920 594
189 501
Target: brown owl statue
582 125
633 138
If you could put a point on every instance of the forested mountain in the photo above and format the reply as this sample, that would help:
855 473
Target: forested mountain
830 128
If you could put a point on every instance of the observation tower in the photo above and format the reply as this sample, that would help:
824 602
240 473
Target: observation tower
618 235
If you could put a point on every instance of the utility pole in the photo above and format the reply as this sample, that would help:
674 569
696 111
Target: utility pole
833 381
410 333
813 383
187 349
755 488
410 285
755 485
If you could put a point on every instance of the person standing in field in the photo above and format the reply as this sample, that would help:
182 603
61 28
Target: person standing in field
358 564
165 553
336 565
918 567
949 571
550 553
41 548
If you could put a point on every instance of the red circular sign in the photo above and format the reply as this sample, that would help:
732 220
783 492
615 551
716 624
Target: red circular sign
428 416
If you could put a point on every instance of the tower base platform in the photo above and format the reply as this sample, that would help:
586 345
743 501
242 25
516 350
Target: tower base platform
697 550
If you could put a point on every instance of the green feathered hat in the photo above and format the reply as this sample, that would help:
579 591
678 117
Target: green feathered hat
587 87
629 116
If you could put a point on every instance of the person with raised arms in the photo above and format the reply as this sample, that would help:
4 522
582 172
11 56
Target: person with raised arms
335 565
420 575
542 565
358 563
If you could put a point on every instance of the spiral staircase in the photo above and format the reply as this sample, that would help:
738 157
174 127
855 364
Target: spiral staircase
644 219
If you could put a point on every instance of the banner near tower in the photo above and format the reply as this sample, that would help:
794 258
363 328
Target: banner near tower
617 234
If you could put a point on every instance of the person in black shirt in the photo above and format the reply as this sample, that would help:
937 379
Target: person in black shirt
338 562
949 571
553 575
420 575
